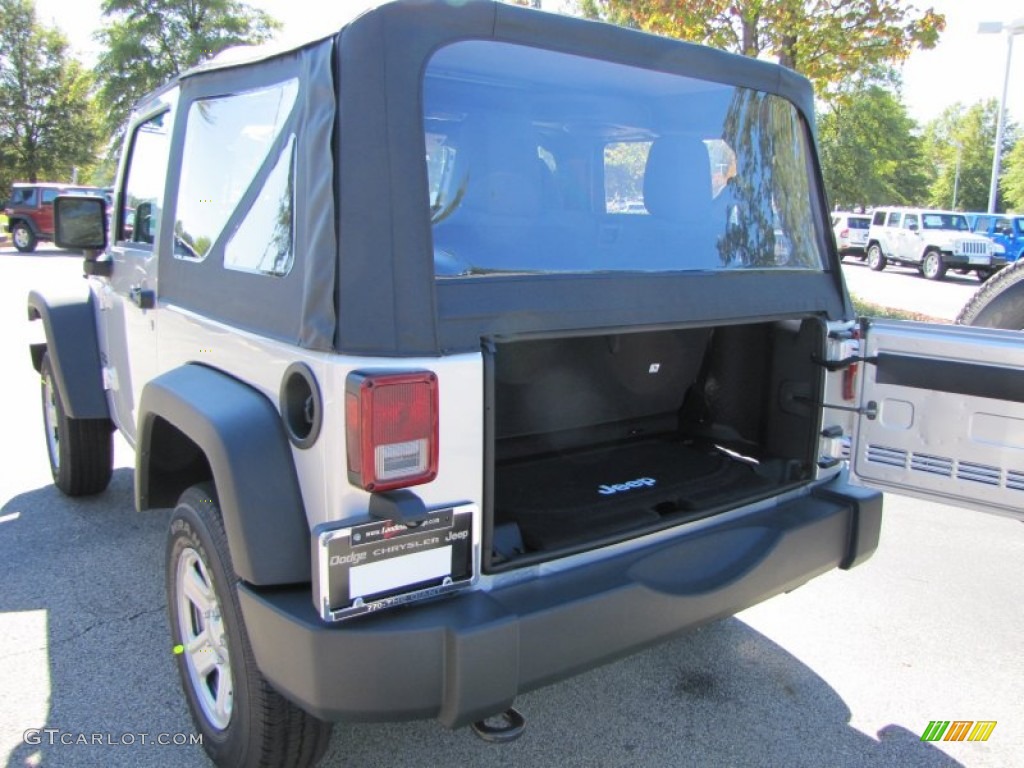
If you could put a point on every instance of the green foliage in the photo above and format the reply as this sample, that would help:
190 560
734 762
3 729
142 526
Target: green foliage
624 170
105 171
1012 182
870 154
869 309
826 40
967 133
147 42
47 122
764 128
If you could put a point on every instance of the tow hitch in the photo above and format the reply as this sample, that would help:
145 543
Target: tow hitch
501 729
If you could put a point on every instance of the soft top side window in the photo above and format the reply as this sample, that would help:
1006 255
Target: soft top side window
227 140
263 243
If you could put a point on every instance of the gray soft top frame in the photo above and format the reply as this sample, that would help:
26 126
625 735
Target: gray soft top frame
389 302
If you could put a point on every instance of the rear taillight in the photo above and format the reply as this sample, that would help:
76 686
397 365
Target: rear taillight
844 234
391 429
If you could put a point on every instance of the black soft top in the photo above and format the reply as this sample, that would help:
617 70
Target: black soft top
397 307
366 282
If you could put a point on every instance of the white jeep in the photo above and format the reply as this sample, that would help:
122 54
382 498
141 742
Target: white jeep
932 241
439 421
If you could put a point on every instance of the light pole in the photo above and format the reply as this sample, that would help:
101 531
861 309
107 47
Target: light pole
956 177
1011 28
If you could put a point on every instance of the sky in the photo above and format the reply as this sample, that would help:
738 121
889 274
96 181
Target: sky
965 66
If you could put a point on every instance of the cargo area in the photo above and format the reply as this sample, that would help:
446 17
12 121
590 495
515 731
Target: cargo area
605 437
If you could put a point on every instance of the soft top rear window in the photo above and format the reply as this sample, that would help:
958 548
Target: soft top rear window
547 162
859 222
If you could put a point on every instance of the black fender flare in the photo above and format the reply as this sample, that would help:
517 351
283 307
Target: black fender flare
27 221
243 439
72 339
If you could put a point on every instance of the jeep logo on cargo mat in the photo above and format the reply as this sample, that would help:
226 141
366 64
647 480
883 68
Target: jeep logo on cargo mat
640 482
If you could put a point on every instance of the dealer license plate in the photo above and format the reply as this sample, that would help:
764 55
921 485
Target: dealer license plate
378 564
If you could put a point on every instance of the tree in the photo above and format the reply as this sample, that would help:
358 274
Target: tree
1012 183
47 123
963 138
826 40
870 153
148 42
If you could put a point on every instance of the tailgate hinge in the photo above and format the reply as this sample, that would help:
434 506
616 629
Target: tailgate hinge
870 409
838 365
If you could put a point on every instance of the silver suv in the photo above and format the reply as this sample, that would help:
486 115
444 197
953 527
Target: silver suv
931 241
441 423
851 233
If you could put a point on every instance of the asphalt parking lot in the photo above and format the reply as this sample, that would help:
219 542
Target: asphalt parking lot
904 288
845 671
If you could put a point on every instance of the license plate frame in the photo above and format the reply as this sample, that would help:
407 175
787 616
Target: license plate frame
367 565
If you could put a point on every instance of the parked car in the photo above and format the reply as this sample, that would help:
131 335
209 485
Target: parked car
932 241
851 233
1007 230
29 211
438 425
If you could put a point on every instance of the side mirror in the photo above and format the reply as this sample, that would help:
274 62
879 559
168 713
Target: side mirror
912 227
80 222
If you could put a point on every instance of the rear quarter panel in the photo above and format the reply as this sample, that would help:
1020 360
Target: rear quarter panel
185 337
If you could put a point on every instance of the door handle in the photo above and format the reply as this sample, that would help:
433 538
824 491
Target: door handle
144 298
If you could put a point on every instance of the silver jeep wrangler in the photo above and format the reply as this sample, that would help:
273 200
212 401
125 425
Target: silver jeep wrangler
932 242
441 421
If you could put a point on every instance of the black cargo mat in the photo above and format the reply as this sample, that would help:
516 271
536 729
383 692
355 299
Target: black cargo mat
565 499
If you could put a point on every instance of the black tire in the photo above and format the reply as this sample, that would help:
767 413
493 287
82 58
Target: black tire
23 237
81 451
933 267
260 727
999 303
985 274
876 261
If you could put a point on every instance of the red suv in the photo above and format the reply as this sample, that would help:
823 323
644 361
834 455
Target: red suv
29 211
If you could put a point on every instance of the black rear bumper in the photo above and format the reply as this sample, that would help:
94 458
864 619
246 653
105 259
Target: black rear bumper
467 657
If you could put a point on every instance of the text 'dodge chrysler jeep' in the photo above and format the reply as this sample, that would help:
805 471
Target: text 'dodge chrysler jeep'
931 241
441 421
